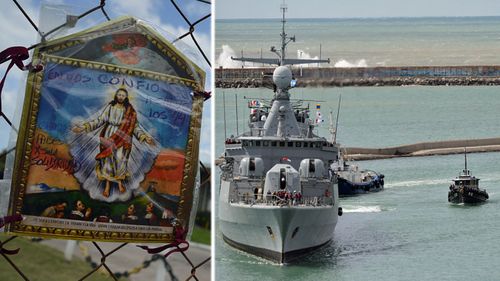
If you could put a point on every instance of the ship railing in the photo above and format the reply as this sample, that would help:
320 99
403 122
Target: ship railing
274 200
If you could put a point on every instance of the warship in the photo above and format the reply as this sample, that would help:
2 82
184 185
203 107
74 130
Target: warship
465 188
278 197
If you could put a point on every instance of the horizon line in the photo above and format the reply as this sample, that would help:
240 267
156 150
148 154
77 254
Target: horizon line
348 18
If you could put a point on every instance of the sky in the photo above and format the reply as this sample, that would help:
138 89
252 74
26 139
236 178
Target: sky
16 31
240 9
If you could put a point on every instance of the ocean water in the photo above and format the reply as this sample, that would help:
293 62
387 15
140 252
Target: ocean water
408 231
366 42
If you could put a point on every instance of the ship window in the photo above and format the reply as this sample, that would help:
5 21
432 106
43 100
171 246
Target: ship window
298 144
282 143
290 144
257 143
306 144
295 232
245 143
274 143
265 143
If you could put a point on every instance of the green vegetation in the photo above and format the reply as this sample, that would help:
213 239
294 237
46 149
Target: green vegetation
41 262
201 235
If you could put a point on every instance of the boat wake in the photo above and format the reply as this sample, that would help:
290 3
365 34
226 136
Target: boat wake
416 183
362 209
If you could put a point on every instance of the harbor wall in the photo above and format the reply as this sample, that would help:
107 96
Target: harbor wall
424 149
363 76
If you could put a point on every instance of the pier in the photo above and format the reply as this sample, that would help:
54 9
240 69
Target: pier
363 76
424 149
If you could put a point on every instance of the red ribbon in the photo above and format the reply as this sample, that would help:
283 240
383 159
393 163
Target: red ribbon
16 55
10 219
180 244
4 221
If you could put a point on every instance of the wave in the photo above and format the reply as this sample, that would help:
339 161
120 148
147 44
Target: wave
225 60
361 209
301 54
344 63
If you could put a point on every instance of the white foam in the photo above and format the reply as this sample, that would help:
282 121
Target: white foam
301 54
416 183
344 63
361 209
225 60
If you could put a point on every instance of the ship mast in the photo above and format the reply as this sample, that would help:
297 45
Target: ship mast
281 53
465 155
284 38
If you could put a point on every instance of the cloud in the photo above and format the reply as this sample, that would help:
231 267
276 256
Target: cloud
145 9
195 9
171 27
16 31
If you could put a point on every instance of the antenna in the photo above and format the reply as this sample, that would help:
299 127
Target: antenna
337 121
236 102
465 154
224 104
331 129
284 8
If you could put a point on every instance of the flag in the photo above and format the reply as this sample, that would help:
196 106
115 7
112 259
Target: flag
254 103
319 118
285 159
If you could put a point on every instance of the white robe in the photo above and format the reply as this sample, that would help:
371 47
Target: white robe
126 166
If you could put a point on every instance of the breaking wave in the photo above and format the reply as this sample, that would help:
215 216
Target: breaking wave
225 60
344 63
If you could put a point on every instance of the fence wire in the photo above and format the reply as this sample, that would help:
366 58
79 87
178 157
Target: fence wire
7 253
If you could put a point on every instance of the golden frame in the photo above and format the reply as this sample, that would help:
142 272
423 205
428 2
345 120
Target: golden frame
28 127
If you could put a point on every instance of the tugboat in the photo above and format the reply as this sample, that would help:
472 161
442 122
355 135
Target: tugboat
278 195
354 181
465 188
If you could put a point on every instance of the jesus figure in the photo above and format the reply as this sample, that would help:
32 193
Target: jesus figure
119 131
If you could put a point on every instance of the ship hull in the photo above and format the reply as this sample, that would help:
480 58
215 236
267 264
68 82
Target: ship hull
351 188
467 197
280 234
278 257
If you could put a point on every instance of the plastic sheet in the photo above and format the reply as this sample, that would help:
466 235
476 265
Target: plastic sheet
109 137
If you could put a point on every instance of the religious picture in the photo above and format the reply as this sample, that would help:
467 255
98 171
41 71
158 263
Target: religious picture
110 149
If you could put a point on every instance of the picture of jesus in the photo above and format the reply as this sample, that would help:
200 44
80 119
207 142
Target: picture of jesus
119 135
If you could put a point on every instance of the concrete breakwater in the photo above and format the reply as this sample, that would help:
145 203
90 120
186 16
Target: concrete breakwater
363 76
424 149
419 149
